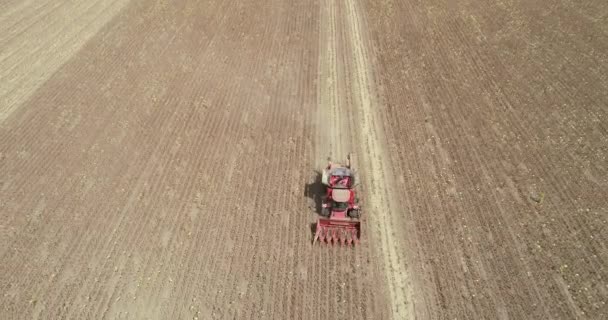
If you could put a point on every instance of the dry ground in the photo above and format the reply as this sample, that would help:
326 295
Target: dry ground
157 159
497 115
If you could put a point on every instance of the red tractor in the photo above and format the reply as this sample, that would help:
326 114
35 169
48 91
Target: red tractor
340 211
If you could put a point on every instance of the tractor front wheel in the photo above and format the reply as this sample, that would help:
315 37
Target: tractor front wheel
325 212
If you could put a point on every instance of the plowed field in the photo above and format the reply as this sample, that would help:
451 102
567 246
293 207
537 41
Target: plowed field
161 159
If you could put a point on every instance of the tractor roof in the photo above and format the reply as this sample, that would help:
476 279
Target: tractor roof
340 195
340 171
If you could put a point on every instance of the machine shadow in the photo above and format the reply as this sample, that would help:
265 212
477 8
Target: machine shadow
315 190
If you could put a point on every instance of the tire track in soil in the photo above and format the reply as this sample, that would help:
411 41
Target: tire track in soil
346 116
335 122
329 119
377 170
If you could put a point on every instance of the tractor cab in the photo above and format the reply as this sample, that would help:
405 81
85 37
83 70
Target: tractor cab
339 178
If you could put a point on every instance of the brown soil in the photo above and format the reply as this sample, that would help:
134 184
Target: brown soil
496 116
160 161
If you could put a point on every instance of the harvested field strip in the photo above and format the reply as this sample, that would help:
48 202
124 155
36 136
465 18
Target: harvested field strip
381 203
345 117
42 36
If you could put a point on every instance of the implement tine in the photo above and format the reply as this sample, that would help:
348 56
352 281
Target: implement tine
330 231
322 234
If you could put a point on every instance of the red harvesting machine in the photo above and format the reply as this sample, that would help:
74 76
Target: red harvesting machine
340 210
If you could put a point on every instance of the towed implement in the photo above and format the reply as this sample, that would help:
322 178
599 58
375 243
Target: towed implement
340 221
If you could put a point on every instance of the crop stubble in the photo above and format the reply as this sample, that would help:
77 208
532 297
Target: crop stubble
162 172
496 113
159 169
